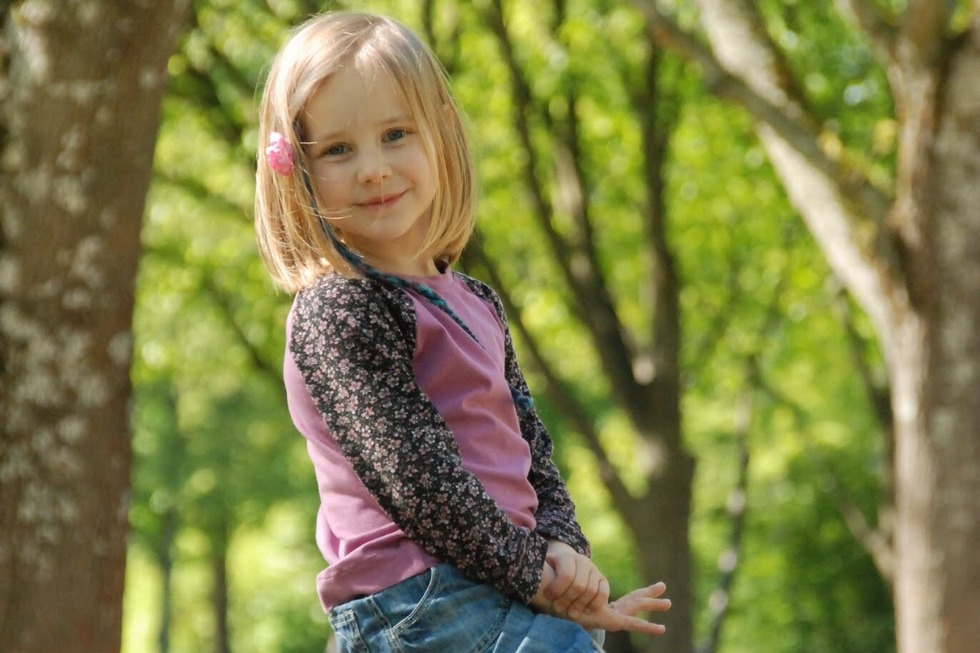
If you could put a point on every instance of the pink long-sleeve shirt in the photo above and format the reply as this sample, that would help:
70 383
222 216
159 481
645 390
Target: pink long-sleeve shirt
419 452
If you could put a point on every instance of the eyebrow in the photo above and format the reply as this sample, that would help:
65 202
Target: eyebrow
330 136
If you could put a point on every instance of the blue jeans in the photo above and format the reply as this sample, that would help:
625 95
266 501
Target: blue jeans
442 611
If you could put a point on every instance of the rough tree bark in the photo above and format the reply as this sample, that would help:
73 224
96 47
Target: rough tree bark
910 256
81 85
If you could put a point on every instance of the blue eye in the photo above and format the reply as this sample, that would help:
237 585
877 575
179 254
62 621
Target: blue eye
336 150
395 135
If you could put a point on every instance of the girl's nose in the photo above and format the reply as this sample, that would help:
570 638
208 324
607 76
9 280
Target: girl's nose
373 167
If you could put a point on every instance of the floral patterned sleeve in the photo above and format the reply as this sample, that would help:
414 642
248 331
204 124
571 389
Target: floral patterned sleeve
354 342
556 512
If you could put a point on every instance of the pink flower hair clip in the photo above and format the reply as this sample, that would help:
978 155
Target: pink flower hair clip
279 154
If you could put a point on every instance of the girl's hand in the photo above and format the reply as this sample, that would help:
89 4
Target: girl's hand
621 614
578 586
615 616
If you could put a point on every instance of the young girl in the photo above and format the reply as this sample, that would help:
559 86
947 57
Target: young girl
444 522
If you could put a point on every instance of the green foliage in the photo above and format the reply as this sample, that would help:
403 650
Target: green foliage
842 83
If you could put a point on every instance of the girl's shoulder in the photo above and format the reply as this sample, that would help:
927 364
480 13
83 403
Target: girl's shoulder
482 290
334 295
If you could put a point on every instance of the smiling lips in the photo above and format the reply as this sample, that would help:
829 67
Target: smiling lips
382 201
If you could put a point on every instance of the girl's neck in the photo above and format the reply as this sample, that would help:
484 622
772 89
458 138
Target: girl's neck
408 266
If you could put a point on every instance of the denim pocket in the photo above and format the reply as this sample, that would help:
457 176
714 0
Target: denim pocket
411 602
344 625
451 613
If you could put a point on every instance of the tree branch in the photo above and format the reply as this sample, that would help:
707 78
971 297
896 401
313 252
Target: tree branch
197 86
710 337
269 370
201 193
876 391
561 394
523 106
925 28
844 212
198 90
876 541
656 126
873 23
878 394
448 54
428 22
593 303
769 73
736 506
786 121
242 84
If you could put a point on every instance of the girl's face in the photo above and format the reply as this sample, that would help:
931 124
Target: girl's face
369 169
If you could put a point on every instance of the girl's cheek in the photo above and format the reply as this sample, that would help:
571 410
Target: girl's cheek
328 179
330 174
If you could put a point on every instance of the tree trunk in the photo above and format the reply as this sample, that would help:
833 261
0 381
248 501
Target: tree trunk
917 276
82 84
935 370
166 563
664 552
219 594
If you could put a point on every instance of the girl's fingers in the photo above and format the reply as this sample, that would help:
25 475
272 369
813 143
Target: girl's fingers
593 601
635 606
571 593
649 592
612 620
586 592
581 585
632 604
621 614
601 598
637 625
564 577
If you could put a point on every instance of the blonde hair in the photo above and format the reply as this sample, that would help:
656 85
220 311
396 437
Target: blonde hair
291 239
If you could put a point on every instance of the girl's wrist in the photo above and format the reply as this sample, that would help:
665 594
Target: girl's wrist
540 599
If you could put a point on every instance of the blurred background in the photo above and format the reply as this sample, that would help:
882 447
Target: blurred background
718 400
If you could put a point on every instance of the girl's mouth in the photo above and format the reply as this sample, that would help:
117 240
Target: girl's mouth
382 202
